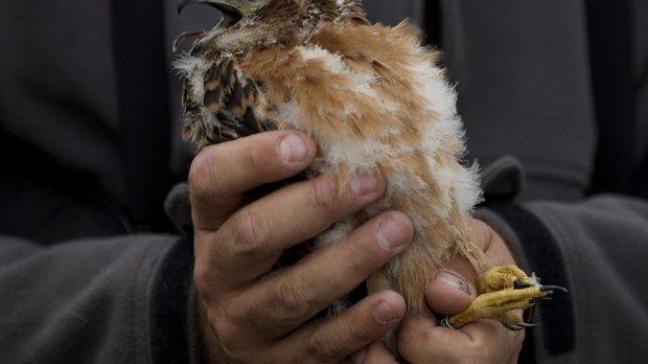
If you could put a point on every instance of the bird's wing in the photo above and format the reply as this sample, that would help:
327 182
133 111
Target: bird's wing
220 103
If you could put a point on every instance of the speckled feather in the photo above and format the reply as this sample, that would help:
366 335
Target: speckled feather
373 99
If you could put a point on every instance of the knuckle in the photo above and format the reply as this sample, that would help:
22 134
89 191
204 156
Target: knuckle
320 349
358 267
247 312
251 232
291 300
202 280
255 156
359 258
229 336
253 315
326 191
362 260
200 175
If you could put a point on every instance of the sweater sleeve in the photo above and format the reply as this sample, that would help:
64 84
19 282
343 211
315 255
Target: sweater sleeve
523 72
119 300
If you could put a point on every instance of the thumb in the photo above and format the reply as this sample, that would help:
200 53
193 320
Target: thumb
449 293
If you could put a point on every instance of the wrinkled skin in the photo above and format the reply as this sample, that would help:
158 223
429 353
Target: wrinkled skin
252 315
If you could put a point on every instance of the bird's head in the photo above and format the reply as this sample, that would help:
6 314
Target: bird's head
246 23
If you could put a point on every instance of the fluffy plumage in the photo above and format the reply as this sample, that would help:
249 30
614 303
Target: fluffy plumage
370 95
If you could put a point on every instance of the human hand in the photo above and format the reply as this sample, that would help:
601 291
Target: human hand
421 340
250 314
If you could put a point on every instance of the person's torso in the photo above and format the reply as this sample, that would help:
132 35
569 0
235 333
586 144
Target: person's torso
89 116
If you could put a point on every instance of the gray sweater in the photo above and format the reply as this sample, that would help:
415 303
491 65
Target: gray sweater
554 95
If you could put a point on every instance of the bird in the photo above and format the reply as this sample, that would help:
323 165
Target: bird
376 101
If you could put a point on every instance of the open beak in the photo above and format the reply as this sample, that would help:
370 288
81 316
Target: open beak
224 6
183 3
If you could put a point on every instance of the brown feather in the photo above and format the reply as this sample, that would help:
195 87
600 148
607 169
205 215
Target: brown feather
309 57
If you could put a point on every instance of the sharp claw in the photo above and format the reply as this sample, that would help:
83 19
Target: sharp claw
527 325
520 326
552 288
538 300
513 327
446 323
519 285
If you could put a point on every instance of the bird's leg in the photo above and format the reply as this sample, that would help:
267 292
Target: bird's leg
502 291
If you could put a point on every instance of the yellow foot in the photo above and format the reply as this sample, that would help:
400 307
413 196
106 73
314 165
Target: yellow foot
502 291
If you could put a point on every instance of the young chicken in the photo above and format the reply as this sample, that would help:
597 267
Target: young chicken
375 102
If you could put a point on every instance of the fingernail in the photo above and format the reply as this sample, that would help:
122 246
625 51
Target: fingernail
293 149
365 183
384 313
391 235
359 357
455 281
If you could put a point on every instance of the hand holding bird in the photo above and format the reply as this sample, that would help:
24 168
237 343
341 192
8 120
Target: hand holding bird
378 107
252 314
423 340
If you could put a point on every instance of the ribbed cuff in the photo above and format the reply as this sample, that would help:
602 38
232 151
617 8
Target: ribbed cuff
173 322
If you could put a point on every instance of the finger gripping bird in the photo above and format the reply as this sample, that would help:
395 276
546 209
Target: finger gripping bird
375 102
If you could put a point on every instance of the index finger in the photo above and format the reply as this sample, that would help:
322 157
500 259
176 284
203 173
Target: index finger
221 173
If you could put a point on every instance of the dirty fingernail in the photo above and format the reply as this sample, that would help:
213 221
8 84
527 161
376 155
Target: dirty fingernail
364 183
392 235
455 281
293 149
